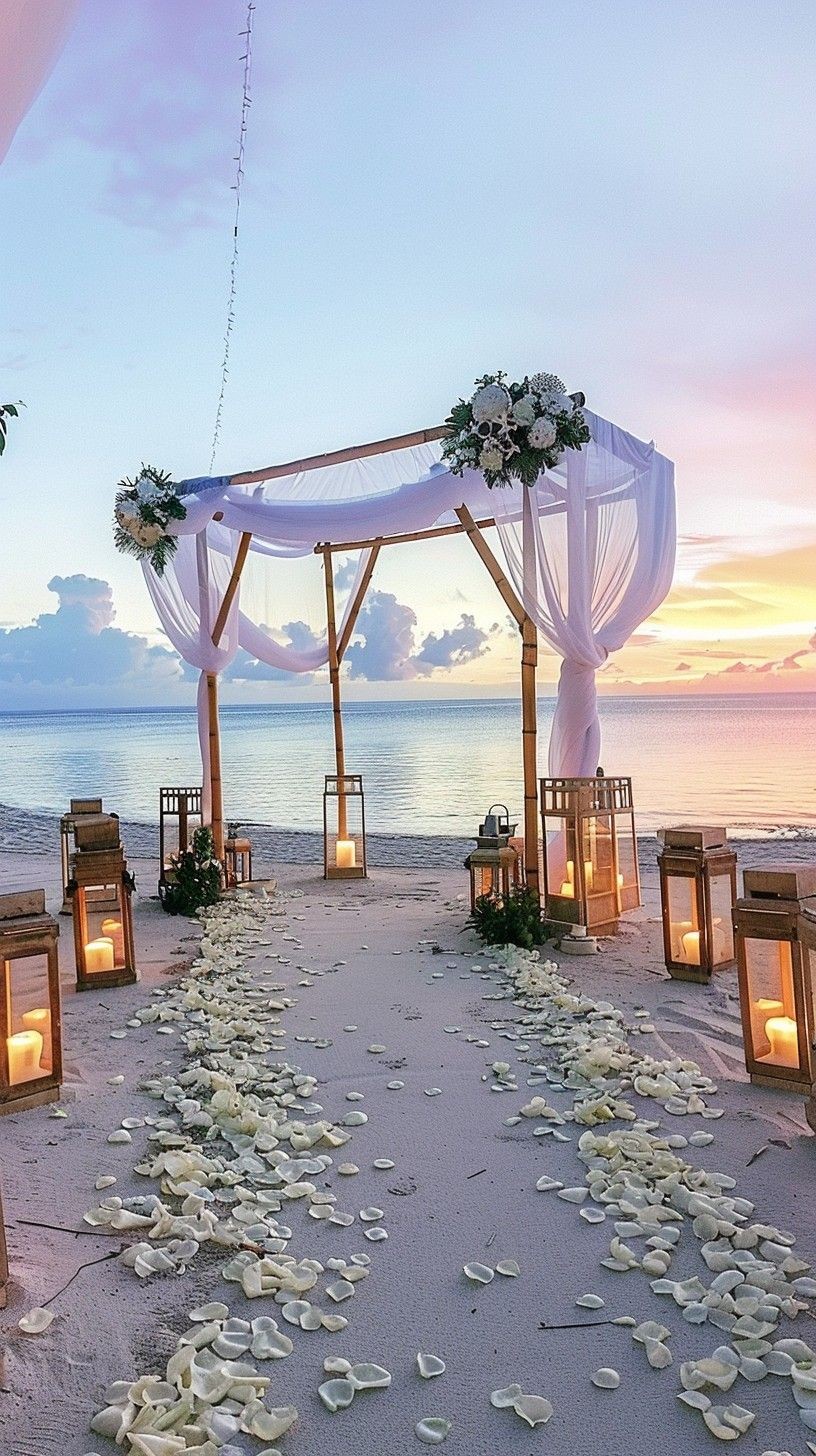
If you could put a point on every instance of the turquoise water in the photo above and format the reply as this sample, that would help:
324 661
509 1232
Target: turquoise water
428 767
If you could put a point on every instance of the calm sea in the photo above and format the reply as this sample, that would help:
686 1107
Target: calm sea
429 767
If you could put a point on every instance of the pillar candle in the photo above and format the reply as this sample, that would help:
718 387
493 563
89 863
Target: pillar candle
99 955
40 1020
571 871
588 875
568 890
346 854
112 930
782 1033
24 1052
691 947
678 929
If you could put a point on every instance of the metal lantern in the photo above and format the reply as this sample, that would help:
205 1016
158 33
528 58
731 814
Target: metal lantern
237 861
30 1018
776 939
495 864
344 837
88 810
591 872
698 888
179 816
101 888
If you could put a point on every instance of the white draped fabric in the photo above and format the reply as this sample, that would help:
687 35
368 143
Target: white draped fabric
31 38
590 551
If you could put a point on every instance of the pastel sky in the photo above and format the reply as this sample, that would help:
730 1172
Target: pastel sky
622 192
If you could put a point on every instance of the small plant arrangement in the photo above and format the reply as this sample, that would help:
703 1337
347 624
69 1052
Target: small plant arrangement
196 877
8 412
143 510
514 921
507 429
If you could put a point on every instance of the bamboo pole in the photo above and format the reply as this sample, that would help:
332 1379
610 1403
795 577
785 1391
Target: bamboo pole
217 813
529 736
430 533
334 679
354 609
338 457
506 592
232 586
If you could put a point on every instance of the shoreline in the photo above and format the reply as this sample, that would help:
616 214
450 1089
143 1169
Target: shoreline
29 833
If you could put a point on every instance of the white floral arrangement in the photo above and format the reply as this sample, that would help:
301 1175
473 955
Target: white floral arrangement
507 429
144 509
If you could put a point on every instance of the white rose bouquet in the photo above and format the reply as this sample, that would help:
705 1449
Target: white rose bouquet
508 430
143 510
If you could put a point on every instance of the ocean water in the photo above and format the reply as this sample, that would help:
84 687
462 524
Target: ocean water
428 767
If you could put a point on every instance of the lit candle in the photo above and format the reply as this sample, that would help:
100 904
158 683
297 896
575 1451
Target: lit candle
678 929
24 1051
99 955
571 871
39 1020
112 930
691 947
620 882
346 854
568 890
767 1007
782 1033
588 874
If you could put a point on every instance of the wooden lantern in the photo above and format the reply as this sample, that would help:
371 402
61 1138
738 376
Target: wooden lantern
698 888
237 861
179 816
4 1268
30 1016
591 871
87 810
344 837
101 889
775 942
492 872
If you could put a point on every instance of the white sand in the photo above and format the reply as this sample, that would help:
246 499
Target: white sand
462 1189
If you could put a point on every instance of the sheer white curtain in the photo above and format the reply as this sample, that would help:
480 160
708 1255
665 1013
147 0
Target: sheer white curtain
32 34
601 535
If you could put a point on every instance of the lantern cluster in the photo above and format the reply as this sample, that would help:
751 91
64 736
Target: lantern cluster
101 887
591 872
698 887
30 1017
344 834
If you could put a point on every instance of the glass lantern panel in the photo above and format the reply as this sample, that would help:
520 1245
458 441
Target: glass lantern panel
29 1043
104 932
769 967
562 854
722 929
627 884
598 852
684 925
344 830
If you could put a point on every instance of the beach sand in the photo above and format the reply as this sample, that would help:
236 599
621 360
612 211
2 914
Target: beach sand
462 1188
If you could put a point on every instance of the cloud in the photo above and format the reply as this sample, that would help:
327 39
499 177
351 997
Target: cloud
344 575
454 647
246 668
77 645
386 653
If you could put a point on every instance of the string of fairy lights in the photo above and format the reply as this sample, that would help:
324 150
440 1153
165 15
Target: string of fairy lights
246 102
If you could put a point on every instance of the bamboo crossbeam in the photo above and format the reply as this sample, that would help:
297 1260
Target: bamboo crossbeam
506 592
232 586
338 457
354 609
429 534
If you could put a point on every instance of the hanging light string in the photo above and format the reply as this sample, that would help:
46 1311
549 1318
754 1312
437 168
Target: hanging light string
246 102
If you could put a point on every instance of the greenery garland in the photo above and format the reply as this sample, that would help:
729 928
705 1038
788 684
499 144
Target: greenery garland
511 429
8 412
143 510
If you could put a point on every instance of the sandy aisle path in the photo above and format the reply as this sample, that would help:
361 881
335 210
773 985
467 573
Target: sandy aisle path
462 1189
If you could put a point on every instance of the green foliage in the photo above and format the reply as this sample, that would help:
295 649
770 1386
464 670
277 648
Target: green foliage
516 921
8 412
154 513
196 877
